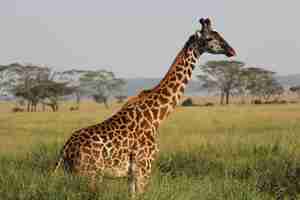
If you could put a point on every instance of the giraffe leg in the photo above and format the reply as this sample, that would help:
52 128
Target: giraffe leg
132 190
139 175
141 183
93 179
92 183
131 179
94 174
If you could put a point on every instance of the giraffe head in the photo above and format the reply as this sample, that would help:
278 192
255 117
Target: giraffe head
211 41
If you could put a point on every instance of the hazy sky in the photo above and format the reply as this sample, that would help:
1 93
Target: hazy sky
141 38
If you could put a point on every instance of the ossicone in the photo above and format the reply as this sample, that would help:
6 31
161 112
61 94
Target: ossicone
206 24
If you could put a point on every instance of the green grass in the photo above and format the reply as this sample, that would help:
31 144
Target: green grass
234 152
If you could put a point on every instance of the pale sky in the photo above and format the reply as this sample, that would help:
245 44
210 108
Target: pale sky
141 38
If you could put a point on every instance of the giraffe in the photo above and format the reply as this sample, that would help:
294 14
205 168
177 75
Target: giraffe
125 144
133 99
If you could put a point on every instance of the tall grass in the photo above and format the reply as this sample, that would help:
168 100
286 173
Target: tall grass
247 152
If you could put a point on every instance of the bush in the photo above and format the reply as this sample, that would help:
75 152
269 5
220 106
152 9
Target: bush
188 102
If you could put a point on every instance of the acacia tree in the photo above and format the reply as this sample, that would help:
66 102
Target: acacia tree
6 80
33 83
222 76
51 92
101 85
262 84
72 77
18 79
295 89
13 74
118 88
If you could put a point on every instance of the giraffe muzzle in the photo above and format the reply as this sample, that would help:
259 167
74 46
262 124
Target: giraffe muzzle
230 52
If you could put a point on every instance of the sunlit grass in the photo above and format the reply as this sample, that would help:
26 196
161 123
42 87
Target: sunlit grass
229 152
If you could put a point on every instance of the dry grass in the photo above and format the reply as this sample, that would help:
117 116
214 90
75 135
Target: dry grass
221 152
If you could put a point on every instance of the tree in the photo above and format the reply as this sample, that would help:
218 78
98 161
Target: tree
222 76
13 74
101 85
49 92
262 83
39 84
17 79
118 88
35 84
72 77
295 89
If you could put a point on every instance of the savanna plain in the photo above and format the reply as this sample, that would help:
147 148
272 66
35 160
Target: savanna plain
212 153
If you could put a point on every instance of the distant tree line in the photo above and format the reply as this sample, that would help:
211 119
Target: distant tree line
230 78
33 85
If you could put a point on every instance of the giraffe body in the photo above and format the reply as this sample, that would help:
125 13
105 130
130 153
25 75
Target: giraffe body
125 144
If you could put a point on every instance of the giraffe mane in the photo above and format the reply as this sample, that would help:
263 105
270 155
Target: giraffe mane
142 94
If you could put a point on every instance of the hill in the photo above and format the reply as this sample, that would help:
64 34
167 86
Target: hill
135 85
289 80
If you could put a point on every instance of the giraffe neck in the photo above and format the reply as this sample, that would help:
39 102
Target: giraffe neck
171 88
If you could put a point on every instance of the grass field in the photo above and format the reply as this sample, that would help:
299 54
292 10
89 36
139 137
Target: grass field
231 152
